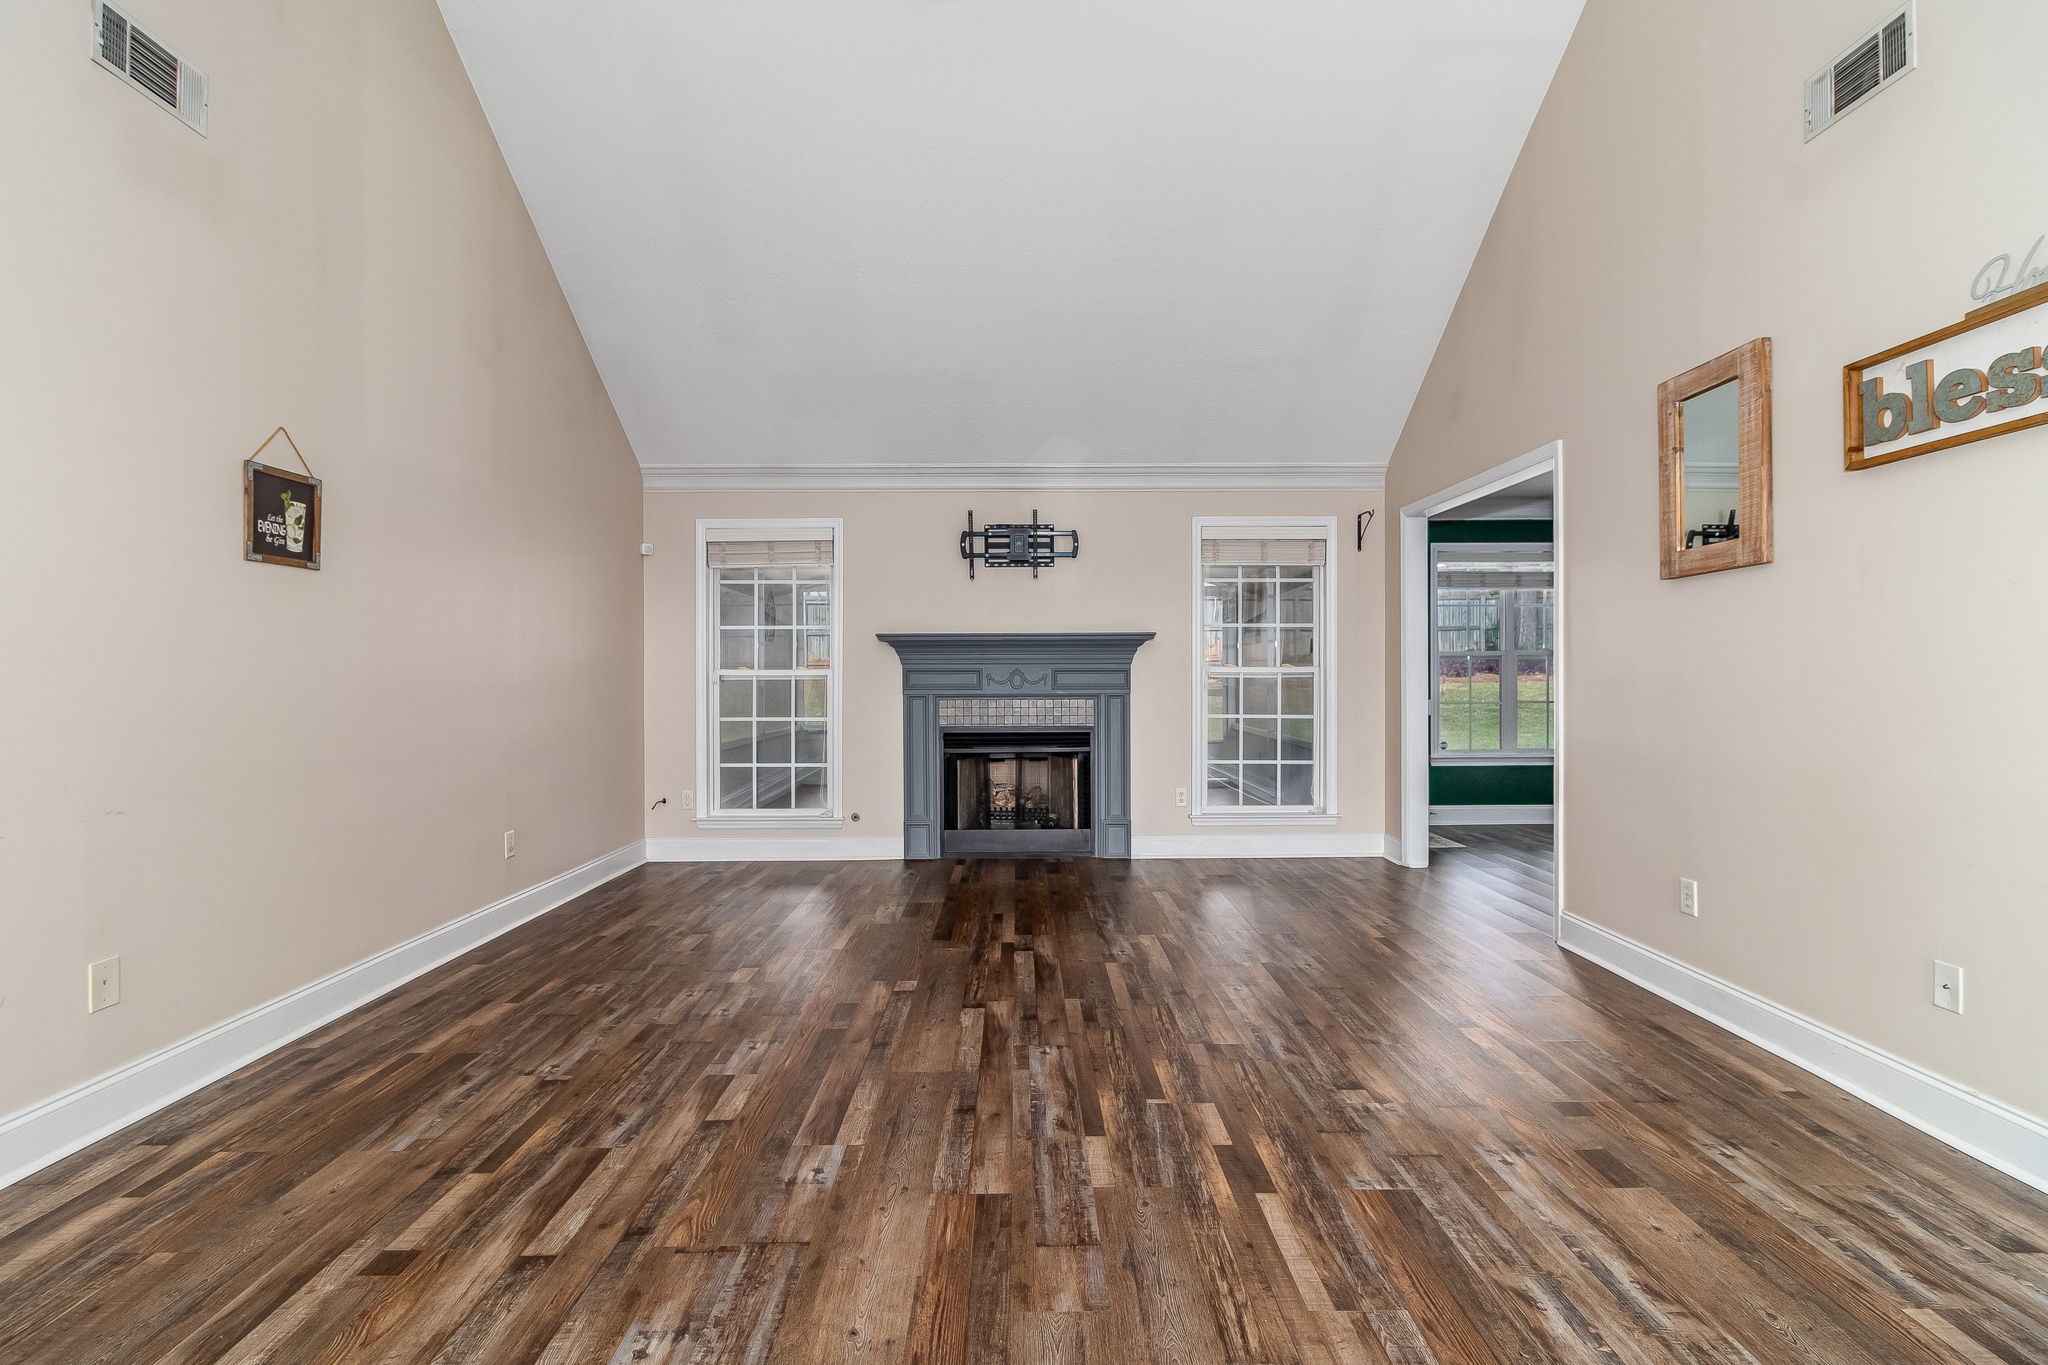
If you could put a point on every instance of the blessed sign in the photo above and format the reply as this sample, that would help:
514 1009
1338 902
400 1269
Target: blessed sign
1982 377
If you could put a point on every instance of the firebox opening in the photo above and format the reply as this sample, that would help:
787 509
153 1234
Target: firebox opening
1023 792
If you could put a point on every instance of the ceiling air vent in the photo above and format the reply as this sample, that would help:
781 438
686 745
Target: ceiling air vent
1869 64
127 51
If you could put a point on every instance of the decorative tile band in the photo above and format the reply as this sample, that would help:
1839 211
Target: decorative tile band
1018 712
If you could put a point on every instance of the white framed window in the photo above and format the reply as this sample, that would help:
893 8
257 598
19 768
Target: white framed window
1493 644
768 695
1264 669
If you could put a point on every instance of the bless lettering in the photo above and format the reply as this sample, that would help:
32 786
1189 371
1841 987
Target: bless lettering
1961 396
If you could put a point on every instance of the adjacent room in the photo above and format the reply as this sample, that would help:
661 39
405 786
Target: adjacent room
1492 586
986 684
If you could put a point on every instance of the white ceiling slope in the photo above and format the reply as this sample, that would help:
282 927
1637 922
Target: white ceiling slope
809 239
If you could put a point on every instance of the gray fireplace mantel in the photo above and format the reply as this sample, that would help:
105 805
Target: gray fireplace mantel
952 664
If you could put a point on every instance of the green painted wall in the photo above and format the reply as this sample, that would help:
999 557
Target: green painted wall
1490 784
1488 532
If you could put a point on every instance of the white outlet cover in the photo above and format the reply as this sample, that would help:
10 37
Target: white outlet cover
1688 897
511 843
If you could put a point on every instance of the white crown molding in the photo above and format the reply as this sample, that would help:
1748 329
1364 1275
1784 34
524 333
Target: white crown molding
670 478
32 1138
1975 1124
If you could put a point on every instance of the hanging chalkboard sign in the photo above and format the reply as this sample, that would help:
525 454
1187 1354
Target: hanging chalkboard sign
281 516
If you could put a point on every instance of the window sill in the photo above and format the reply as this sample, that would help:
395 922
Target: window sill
1263 817
1494 760
768 820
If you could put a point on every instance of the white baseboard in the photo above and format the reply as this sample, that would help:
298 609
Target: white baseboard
1216 844
796 849
889 847
32 1138
1993 1132
1492 815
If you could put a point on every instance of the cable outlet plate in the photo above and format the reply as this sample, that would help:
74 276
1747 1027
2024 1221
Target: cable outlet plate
102 985
1948 987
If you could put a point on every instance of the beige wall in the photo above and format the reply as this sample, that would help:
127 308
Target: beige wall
237 777
1841 746
903 572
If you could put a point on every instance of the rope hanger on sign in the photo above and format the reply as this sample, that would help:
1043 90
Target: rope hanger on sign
288 441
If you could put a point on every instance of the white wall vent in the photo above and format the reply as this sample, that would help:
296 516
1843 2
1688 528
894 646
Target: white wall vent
127 51
1865 67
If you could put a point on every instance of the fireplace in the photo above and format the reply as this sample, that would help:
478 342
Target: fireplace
1016 745
1017 791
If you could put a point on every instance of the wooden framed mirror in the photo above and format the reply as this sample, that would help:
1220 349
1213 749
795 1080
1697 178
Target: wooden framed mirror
1714 471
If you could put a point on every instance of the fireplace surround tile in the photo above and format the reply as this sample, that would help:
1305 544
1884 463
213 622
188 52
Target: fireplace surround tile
1013 713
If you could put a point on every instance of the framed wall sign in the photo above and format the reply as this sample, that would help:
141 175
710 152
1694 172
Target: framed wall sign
281 516
1714 465
1977 379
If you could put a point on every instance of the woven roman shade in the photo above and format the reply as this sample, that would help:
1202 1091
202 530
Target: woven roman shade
768 554
1239 551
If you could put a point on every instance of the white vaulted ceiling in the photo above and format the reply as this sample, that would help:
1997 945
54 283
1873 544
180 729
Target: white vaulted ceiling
807 236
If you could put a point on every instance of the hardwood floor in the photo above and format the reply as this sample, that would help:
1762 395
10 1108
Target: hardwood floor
1029 1112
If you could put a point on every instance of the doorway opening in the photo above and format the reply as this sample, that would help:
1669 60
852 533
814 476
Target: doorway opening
1482 650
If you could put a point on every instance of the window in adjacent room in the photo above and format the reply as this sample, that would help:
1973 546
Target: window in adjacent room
1494 641
771 649
1263 665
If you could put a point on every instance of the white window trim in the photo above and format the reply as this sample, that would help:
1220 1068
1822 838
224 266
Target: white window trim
1296 528
1492 758
767 528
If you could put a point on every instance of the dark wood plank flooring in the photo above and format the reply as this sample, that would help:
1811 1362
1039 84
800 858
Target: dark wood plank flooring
1031 1112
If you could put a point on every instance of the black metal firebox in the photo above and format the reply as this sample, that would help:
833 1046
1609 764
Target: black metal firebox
1024 792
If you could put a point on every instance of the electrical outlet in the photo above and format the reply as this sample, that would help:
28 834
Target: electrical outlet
511 842
687 801
1948 986
1688 897
1180 796
102 985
